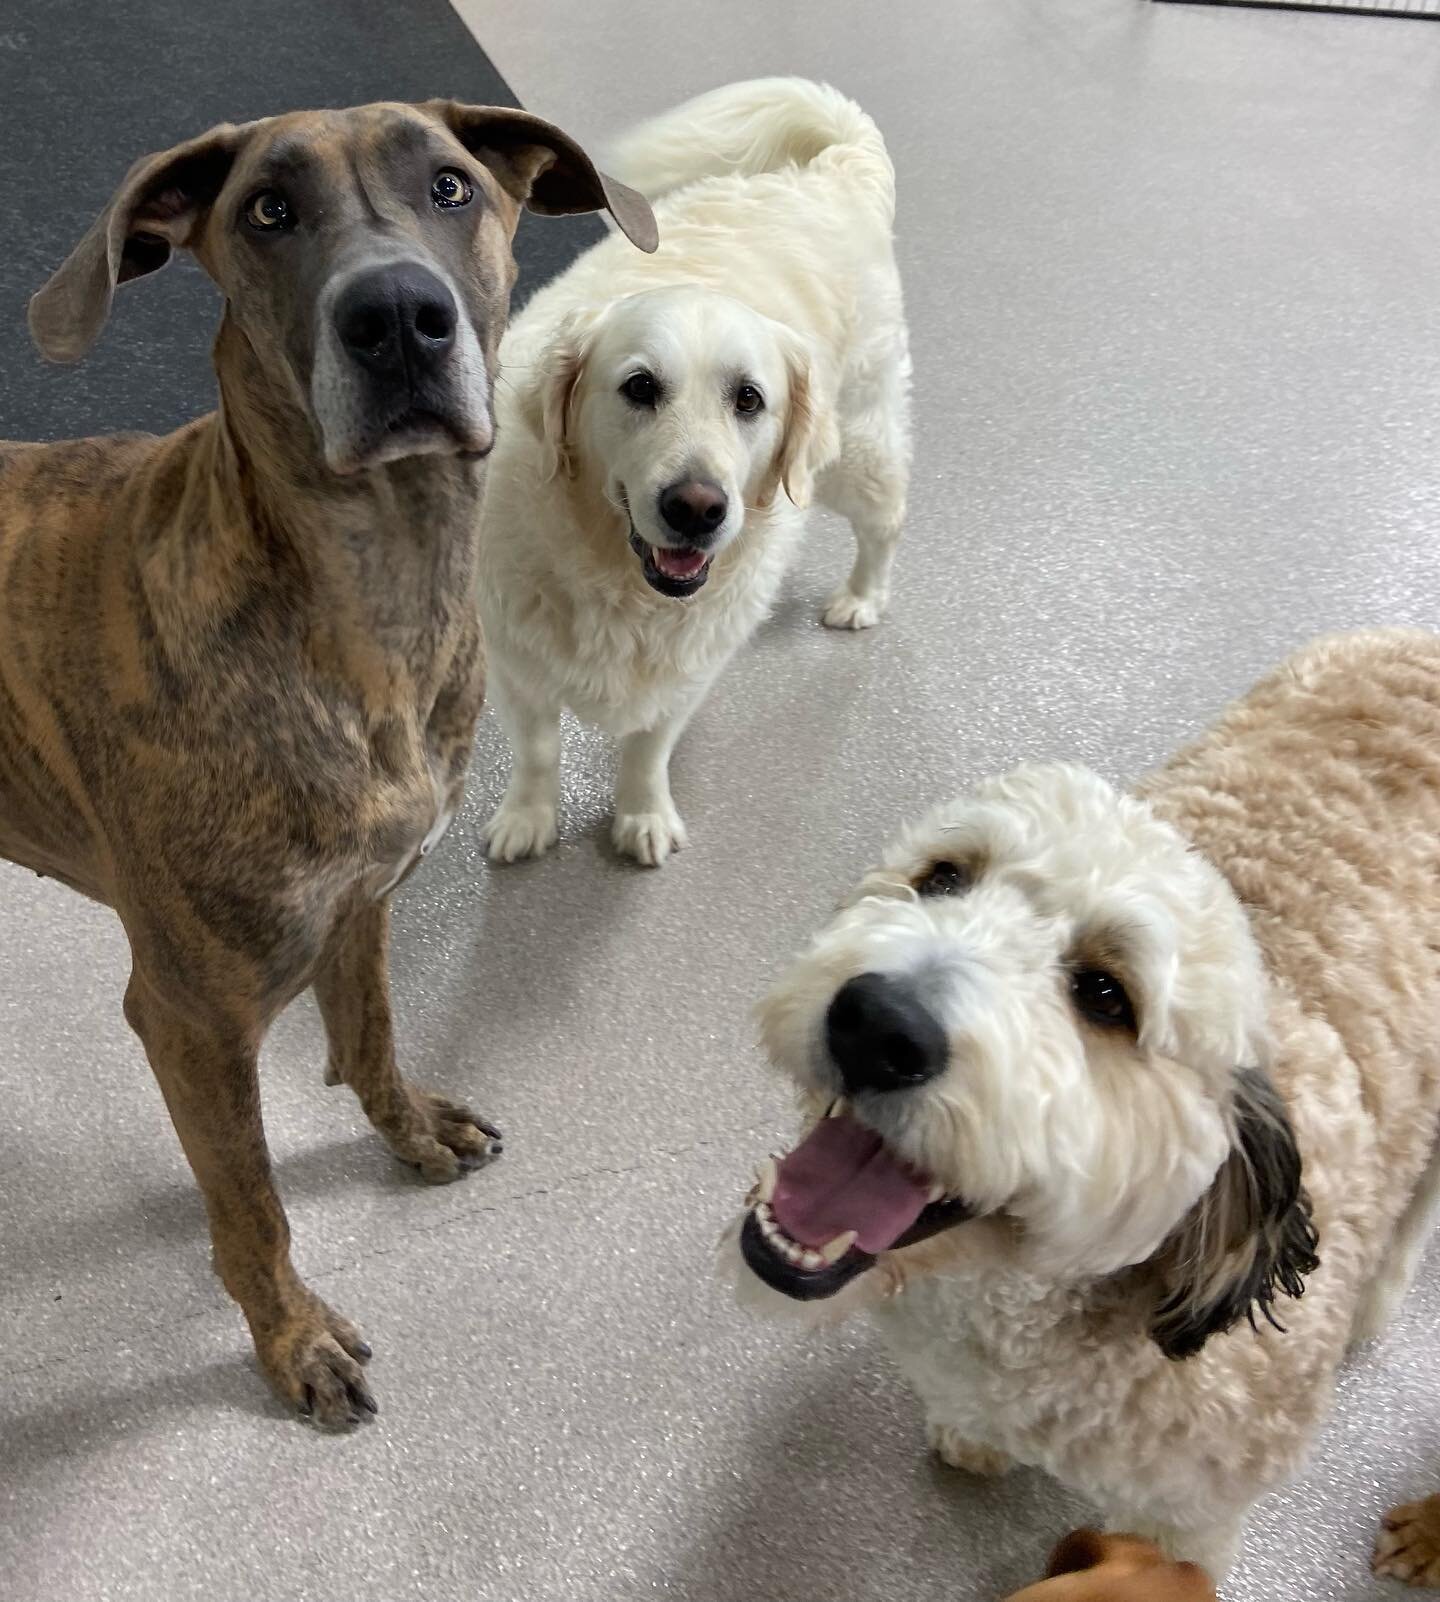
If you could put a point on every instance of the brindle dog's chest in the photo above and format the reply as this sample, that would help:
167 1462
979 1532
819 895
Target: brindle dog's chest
416 773
409 814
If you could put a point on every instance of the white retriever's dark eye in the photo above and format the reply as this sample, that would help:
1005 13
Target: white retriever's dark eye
944 879
641 389
1100 997
749 400
451 189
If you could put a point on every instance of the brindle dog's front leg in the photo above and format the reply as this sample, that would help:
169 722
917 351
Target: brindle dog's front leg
439 1137
207 1071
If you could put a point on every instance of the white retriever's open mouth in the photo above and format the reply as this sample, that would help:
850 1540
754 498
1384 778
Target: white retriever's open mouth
820 1216
674 570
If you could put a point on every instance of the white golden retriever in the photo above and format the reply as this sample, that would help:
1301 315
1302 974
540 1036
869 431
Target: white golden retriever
663 427
1109 1073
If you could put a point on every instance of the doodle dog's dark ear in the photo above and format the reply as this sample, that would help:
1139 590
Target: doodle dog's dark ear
1249 1239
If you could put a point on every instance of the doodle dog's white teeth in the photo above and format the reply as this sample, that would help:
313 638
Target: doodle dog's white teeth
809 1258
834 1250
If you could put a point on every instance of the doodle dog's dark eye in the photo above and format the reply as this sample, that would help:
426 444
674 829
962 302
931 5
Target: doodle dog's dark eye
749 400
945 879
1101 998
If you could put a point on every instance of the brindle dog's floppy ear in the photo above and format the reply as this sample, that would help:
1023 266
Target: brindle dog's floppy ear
545 169
155 210
1249 1238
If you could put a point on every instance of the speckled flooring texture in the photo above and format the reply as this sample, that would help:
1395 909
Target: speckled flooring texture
1172 277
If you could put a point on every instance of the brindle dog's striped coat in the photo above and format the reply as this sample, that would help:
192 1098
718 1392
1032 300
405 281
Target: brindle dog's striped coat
240 666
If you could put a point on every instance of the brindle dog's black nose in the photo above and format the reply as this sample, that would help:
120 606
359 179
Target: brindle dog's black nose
396 320
881 1036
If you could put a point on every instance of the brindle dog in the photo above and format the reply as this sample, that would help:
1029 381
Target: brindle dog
240 666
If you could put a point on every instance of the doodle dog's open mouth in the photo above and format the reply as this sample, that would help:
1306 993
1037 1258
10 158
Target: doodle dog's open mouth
676 571
820 1216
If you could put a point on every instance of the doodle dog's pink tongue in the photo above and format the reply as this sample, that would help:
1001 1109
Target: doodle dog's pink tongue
840 1177
678 564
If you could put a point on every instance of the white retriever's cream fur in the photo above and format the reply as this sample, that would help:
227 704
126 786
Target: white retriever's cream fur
775 204
1271 901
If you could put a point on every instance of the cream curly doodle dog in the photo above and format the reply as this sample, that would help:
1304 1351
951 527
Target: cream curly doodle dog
1110 1075
662 429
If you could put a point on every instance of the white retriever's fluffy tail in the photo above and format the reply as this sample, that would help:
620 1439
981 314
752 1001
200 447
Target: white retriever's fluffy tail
759 126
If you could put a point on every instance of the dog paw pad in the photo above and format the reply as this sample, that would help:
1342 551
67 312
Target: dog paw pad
952 1448
517 832
846 610
649 837
1408 1546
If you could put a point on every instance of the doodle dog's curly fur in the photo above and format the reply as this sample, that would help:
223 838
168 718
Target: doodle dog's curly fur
1116 1070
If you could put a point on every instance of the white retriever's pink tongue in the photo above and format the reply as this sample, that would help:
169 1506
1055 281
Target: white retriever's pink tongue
678 564
840 1177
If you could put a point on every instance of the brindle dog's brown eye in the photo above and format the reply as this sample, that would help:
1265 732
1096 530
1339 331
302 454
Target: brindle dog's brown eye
945 879
450 189
749 400
1101 998
269 212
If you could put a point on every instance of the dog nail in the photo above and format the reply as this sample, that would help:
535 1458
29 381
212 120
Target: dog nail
363 1351
496 1147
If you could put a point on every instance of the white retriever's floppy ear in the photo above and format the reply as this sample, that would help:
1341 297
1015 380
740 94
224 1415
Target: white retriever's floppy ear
547 398
1249 1238
808 439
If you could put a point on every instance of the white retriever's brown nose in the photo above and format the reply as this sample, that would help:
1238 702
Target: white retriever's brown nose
396 320
881 1036
694 508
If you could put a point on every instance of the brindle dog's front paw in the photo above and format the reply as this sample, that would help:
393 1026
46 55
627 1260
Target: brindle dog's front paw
1408 1547
315 1360
442 1138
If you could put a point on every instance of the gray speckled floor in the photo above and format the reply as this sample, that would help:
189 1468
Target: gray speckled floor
1172 277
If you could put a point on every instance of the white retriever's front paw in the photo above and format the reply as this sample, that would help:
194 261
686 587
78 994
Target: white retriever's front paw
649 837
951 1447
846 610
520 831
